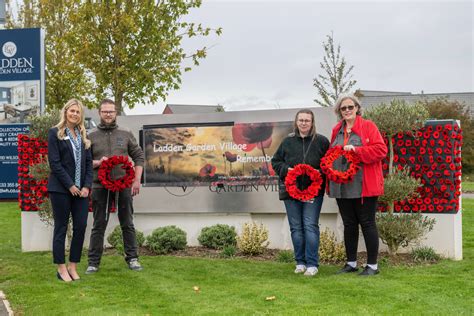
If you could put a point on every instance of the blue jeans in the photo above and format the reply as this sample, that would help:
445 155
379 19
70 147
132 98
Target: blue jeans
304 227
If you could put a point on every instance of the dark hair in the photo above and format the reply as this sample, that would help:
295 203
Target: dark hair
312 132
106 101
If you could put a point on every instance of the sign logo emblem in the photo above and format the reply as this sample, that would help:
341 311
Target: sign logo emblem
9 49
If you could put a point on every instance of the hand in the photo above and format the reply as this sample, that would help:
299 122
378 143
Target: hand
97 163
289 169
84 192
349 148
75 191
135 187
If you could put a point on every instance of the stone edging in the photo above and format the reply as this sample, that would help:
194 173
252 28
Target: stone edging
6 304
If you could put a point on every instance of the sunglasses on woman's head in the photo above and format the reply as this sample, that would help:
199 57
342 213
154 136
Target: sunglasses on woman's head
345 108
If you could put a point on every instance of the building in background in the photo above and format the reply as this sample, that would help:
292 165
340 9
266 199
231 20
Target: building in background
370 98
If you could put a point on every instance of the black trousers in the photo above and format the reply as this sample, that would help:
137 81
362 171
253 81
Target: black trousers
64 205
125 215
355 212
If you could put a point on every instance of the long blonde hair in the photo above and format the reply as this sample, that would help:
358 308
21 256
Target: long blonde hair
62 122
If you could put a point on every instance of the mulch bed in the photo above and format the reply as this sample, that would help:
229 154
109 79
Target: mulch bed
402 259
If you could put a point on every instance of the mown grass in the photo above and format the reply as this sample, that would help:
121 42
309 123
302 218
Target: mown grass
468 186
229 286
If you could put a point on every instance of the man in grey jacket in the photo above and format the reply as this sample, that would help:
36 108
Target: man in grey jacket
110 140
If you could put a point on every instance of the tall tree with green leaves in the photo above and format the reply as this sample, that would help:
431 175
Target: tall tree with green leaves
65 77
133 49
335 77
444 108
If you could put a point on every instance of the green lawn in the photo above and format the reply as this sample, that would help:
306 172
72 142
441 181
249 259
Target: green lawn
467 186
230 286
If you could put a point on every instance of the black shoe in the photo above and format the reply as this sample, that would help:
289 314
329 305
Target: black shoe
347 269
369 271
60 278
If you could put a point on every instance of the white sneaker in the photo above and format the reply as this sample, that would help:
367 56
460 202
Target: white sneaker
300 268
311 271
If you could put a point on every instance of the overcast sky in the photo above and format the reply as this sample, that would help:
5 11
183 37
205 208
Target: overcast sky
269 51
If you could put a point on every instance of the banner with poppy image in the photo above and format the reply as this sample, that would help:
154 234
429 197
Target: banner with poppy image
204 154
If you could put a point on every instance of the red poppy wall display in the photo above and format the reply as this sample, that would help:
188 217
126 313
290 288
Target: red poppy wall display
31 191
433 154
291 182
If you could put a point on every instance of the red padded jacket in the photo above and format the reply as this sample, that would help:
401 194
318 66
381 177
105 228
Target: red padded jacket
371 153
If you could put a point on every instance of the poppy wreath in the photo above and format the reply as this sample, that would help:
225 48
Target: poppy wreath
311 191
122 183
339 176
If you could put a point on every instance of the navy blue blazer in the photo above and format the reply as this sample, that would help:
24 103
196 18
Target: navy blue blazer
61 162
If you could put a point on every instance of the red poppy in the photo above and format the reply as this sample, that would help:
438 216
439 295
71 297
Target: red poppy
253 135
230 156
207 171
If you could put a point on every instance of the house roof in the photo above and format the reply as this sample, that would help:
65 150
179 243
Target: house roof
191 108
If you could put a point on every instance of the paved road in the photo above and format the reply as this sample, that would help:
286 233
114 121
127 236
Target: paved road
3 309
468 195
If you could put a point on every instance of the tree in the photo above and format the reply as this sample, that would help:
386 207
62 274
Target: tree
443 108
403 229
133 48
65 78
336 77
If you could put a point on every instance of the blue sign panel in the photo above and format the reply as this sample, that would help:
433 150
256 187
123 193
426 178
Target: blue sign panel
9 159
20 54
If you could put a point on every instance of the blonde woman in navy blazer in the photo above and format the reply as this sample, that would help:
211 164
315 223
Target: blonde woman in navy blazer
70 181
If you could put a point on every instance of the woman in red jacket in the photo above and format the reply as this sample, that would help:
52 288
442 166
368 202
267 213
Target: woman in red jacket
357 200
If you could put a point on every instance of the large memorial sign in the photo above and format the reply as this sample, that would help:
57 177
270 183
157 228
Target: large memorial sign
212 154
9 159
21 74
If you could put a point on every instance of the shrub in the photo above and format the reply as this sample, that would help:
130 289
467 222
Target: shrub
330 250
115 239
40 124
399 186
229 251
218 236
45 212
254 239
285 256
425 254
401 230
163 240
393 118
